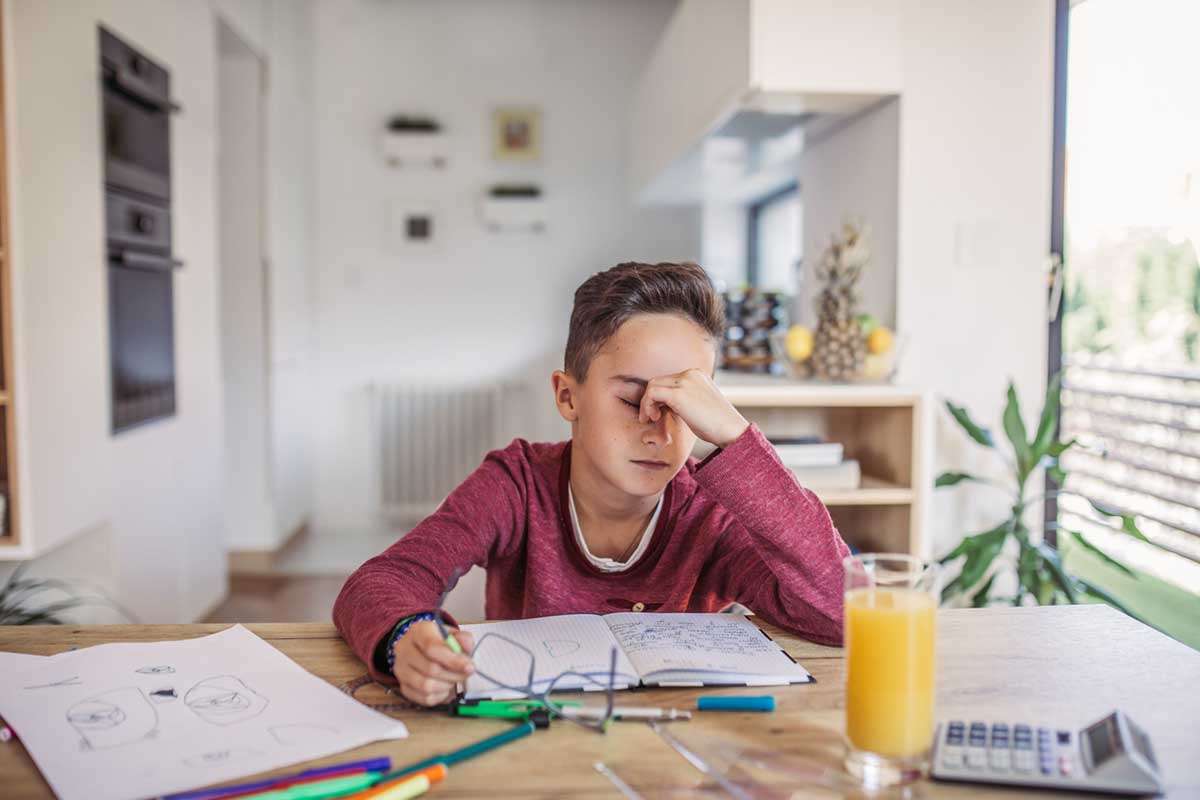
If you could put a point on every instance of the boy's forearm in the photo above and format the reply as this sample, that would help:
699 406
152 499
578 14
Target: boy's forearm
789 529
377 596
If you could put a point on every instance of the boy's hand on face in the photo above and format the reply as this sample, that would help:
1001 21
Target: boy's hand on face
428 670
696 400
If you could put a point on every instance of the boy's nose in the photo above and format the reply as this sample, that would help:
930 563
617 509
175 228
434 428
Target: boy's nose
659 432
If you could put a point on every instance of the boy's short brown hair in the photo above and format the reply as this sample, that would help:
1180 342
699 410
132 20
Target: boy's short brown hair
607 299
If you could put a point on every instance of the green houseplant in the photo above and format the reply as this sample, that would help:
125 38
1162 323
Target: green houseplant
18 591
1039 569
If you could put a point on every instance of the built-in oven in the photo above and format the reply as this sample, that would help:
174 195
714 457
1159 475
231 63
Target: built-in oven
140 262
141 303
137 106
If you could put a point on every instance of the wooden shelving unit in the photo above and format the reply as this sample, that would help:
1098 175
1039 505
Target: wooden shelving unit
883 427
10 535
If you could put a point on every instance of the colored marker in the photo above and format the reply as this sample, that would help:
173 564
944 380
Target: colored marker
748 703
383 791
464 753
320 790
405 789
375 765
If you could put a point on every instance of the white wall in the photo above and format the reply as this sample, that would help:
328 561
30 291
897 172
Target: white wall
852 172
975 143
149 499
472 305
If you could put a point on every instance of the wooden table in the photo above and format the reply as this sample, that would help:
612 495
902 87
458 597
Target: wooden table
1067 664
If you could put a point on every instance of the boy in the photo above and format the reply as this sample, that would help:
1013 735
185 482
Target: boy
619 517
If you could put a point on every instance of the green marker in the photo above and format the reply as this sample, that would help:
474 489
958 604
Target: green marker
320 790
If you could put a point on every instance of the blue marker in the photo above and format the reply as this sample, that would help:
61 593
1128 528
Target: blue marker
750 703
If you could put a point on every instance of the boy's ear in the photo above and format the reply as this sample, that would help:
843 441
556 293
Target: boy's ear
565 389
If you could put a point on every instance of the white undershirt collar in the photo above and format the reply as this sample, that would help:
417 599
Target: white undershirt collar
609 564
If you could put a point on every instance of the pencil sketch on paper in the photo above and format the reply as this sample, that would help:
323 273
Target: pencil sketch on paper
159 669
300 733
224 700
217 757
557 648
113 719
164 695
71 681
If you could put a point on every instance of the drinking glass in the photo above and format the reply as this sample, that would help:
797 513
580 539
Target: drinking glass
890 606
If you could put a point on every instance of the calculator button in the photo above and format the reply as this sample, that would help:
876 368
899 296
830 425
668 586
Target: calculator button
976 757
1023 745
1022 762
1065 765
1000 760
952 757
1022 730
1064 737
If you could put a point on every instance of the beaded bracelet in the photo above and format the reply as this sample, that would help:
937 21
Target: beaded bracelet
401 629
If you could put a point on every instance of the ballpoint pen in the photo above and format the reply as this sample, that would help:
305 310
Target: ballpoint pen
630 713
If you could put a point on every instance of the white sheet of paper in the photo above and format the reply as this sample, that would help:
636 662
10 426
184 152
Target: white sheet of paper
131 720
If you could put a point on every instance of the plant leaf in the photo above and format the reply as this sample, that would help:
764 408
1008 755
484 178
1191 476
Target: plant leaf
1103 556
1053 562
980 598
1129 526
1095 591
952 478
980 558
1014 428
1056 449
981 435
970 543
1128 521
1047 429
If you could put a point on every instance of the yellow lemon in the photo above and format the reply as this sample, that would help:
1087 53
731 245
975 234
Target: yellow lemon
799 343
880 341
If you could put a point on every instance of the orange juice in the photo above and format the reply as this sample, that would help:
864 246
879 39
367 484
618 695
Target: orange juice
890 664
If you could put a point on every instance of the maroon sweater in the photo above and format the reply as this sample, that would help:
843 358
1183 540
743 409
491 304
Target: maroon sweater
736 527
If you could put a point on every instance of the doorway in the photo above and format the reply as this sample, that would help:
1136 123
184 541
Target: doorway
242 274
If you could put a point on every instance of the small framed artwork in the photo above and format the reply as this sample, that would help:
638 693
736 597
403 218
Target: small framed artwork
517 134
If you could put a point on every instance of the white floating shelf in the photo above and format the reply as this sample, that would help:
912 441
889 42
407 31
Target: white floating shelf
415 148
514 213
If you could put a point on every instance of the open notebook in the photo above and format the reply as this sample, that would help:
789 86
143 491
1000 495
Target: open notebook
652 650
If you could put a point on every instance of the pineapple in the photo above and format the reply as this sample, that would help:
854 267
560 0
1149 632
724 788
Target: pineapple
840 348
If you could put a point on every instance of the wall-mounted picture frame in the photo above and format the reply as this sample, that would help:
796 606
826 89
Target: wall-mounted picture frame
517 133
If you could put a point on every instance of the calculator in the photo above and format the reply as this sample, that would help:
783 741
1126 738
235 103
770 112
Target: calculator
1112 755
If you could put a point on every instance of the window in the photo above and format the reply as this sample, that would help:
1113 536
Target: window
773 240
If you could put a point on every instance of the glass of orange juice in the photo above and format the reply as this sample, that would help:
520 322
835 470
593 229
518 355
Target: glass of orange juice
890 606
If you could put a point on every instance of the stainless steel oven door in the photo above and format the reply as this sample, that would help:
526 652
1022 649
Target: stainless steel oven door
141 338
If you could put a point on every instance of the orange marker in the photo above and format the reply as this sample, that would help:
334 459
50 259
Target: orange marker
431 775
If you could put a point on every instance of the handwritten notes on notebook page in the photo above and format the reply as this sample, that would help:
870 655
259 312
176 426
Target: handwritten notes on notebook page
703 649
131 720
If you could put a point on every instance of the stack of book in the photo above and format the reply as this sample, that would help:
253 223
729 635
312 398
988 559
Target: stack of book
818 464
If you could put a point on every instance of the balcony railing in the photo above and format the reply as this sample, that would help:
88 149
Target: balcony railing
1138 453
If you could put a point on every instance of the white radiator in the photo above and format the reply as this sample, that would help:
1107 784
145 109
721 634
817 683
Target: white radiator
431 438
